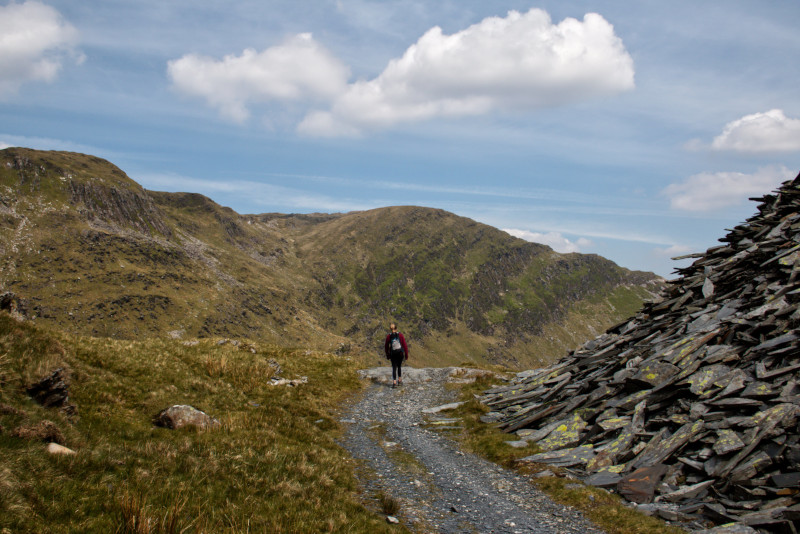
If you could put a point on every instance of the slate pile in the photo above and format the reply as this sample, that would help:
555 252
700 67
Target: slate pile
690 407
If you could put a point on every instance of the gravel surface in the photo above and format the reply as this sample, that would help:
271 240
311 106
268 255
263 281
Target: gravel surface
438 487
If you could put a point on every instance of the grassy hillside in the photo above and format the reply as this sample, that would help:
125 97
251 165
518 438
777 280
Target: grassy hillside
468 291
273 466
90 251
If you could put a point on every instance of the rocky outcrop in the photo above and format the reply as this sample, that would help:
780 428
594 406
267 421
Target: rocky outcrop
121 206
14 304
52 391
694 402
182 415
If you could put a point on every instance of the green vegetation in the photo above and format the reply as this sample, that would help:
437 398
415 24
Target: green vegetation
273 466
603 508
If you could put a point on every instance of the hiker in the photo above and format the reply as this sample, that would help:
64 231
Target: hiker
396 350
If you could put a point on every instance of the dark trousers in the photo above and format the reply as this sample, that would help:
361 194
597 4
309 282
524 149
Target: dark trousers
397 366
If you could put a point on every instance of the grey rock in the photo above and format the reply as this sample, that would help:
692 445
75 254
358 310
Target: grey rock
181 415
443 407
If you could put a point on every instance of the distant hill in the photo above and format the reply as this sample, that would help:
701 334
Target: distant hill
89 250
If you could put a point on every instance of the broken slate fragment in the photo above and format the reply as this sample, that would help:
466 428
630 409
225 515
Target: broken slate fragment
639 486
565 434
563 457
727 441
603 479
443 407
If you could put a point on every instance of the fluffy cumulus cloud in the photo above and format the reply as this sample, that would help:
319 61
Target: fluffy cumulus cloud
298 69
35 41
554 240
523 61
712 191
760 132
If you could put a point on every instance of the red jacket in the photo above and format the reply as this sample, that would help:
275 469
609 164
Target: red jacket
387 349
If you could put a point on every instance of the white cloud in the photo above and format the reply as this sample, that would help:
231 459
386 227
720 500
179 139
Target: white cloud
760 132
252 193
34 42
522 61
554 240
712 191
298 69
673 251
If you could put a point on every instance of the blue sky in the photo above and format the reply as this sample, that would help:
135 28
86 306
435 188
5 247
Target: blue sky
636 130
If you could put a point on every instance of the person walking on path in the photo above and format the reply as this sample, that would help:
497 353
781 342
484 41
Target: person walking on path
396 351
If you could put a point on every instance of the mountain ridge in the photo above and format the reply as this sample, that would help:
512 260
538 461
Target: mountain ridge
93 251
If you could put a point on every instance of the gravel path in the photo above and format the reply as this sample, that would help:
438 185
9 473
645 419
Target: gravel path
439 487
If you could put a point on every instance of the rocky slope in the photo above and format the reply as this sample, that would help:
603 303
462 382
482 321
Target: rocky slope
694 402
87 249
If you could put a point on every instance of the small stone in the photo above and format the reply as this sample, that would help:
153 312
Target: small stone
443 407
392 519
55 448
731 529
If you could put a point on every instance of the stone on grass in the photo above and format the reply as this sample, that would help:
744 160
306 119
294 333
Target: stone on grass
275 381
55 448
182 415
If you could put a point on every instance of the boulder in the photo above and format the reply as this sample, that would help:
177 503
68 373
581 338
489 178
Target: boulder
182 415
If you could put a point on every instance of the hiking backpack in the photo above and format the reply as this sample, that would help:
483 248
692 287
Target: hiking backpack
394 343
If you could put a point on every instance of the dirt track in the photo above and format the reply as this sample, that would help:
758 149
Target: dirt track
439 487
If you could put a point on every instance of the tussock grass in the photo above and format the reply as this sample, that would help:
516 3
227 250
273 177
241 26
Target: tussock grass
272 466
389 505
135 518
601 507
